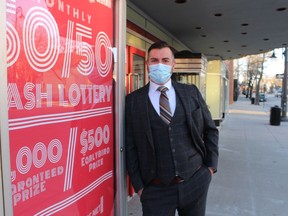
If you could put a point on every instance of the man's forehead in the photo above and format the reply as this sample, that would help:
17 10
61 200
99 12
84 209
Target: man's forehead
161 53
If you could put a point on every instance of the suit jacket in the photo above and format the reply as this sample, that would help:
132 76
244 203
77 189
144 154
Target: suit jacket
140 154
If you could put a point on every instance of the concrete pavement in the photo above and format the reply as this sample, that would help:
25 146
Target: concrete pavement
252 178
253 165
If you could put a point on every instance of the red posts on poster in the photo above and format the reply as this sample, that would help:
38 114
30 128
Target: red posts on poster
60 100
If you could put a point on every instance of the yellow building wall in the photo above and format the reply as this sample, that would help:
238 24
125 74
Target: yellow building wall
213 90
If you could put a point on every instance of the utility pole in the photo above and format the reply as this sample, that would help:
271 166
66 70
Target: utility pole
284 88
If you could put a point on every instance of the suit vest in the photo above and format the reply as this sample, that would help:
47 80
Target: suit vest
174 148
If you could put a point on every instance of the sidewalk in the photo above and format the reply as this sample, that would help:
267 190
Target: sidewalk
253 165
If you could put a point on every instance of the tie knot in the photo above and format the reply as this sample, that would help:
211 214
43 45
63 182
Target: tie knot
162 89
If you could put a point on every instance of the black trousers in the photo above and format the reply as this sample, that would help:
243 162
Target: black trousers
188 197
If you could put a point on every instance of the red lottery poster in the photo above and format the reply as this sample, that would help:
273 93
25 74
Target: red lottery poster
60 106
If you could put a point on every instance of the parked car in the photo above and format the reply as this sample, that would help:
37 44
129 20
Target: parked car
278 93
262 97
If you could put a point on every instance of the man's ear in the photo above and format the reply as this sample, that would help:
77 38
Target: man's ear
173 65
147 65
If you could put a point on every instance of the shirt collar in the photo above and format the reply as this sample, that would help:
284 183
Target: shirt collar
154 86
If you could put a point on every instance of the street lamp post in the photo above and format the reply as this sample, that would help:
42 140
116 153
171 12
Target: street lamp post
284 88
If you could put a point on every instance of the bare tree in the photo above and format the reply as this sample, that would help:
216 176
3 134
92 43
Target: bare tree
258 78
255 69
251 74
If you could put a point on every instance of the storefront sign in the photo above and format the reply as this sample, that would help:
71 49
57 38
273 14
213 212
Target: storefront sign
279 76
60 98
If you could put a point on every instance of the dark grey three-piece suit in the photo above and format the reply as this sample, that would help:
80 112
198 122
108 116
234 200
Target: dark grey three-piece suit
157 152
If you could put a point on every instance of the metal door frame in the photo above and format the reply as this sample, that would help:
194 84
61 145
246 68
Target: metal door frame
6 207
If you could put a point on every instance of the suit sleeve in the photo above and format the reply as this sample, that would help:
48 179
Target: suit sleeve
203 129
132 159
210 135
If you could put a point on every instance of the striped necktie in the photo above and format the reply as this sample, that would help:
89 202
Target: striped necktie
165 112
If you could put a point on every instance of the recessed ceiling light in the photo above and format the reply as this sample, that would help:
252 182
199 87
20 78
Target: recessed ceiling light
180 1
218 14
281 9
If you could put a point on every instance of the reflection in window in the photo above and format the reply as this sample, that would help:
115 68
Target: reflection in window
138 71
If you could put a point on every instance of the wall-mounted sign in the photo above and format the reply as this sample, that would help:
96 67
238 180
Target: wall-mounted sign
279 76
60 100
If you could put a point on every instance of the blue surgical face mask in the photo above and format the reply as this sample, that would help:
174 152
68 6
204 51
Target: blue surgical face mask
160 73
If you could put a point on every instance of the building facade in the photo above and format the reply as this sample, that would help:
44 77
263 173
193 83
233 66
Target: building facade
64 75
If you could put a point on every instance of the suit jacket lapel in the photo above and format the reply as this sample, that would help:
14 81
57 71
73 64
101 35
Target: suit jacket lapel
184 97
146 123
188 103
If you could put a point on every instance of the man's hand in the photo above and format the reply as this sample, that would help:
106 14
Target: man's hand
211 170
140 192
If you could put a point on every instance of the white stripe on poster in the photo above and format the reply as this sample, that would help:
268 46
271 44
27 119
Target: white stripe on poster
70 159
27 122
74 198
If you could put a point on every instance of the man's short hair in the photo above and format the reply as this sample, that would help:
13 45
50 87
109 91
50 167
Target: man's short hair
160 45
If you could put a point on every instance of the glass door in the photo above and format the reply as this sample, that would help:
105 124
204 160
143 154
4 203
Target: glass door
135 75
135 79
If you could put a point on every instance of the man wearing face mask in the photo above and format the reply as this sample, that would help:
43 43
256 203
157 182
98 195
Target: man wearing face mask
171 141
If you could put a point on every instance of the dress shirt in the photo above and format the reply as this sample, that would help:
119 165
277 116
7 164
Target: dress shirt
154 96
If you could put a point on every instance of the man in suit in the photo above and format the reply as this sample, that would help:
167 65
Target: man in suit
171 143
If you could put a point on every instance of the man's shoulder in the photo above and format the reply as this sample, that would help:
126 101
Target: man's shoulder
184 86
137 92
